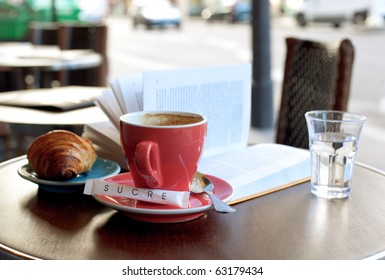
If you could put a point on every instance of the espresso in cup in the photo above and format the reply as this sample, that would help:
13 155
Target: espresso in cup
163 149
170 119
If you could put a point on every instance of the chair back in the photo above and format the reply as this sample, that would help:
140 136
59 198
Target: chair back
317 77
85 36
11 80
43 33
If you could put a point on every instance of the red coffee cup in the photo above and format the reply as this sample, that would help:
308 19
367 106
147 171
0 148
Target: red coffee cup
163 149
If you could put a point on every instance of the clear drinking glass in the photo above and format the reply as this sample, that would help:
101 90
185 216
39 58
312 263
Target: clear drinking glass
333 143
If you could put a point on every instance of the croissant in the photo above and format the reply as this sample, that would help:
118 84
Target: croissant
60 155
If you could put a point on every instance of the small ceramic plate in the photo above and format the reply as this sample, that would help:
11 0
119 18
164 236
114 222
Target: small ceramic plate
159 213
101 169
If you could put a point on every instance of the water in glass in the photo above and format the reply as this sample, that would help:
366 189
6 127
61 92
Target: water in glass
332 155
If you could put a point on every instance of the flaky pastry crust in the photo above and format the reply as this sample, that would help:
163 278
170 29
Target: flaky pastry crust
60 155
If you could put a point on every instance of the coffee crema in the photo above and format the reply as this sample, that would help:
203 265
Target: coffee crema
170 119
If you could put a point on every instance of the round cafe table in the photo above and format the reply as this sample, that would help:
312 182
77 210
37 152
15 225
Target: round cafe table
26 55
41 61
288 224
30 113
34 112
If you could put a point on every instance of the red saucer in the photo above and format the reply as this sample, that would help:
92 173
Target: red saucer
159 213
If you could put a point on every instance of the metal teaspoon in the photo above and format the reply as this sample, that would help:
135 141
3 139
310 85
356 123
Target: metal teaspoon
202 184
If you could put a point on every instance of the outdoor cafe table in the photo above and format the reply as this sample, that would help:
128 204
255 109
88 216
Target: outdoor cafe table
32 119
288 224
42 61
27 114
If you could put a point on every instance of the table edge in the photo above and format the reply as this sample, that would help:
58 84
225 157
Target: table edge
20 254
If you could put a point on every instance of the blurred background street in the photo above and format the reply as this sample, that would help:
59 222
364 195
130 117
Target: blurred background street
199 43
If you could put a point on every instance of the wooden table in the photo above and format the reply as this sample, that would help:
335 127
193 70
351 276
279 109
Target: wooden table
289 224
42 61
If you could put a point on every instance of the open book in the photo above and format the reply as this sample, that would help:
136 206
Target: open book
223 95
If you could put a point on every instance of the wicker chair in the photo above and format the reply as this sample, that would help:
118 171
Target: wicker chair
317 77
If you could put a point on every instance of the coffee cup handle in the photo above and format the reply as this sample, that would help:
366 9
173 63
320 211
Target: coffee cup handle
148 163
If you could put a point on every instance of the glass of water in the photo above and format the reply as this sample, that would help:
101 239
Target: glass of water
333 143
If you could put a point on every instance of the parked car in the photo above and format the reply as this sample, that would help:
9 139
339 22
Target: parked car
228 10
154 13
332 11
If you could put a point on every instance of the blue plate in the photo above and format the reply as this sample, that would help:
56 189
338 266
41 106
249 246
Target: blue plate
101 169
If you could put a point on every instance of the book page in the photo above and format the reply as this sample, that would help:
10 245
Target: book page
221 93
258 168
106 140
117 91
130 89
109 104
